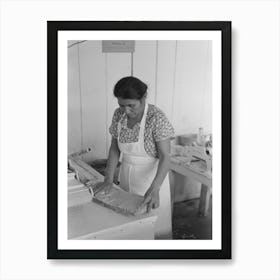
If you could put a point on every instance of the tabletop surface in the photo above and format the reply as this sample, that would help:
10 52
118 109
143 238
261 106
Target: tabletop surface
86 216
196 166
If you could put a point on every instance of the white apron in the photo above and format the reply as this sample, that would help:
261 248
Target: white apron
137 172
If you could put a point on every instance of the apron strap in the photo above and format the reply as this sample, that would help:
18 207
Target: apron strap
143 122
119 125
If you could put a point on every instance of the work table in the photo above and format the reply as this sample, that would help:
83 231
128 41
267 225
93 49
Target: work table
88 220
197 171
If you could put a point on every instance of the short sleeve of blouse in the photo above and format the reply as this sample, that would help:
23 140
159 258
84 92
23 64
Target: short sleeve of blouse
163 129
113 129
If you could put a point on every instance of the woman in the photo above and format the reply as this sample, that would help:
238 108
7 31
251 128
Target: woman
141 132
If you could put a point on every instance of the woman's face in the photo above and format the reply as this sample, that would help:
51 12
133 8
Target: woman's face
131 107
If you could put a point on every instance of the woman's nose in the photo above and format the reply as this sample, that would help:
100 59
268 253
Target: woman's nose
126 110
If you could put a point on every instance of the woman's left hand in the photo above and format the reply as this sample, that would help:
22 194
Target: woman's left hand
151 199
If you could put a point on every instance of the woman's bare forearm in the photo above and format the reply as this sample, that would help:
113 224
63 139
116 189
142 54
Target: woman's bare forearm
112 162
163 148
162 170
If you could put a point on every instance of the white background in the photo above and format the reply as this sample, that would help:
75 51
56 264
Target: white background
255 150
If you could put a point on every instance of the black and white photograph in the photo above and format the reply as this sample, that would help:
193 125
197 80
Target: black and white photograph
147 119
139 129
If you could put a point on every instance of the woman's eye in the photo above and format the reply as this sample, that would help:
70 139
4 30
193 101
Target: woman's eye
131 106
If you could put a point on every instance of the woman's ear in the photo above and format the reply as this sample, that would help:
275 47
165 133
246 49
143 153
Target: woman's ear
144 96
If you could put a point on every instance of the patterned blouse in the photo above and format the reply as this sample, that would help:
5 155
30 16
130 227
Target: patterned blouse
157 128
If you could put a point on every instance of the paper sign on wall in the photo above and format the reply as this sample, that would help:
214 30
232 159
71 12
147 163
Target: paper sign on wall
109 46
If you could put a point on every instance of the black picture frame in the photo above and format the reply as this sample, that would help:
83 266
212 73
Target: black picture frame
52 139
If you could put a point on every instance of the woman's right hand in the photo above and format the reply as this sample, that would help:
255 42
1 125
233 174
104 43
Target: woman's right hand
102 188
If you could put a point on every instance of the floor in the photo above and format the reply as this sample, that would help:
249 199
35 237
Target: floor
187 224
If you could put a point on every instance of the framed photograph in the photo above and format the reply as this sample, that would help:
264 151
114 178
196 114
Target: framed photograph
139 140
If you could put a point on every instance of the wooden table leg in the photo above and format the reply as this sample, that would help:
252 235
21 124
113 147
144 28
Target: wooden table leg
204 201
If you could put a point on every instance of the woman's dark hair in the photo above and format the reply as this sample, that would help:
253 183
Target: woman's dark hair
130 88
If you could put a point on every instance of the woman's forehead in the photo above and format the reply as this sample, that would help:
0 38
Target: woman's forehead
126 102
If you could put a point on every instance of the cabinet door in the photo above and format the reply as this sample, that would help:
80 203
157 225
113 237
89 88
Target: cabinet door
193 91
144 66
74 116
93 98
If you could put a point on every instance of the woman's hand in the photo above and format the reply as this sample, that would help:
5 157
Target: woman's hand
151 199
152 195
102 188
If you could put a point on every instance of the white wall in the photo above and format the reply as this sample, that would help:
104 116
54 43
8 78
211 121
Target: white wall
74 116
178 75
192 93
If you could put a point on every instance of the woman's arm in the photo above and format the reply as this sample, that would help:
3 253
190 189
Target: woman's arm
163 148
112 162
152 194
